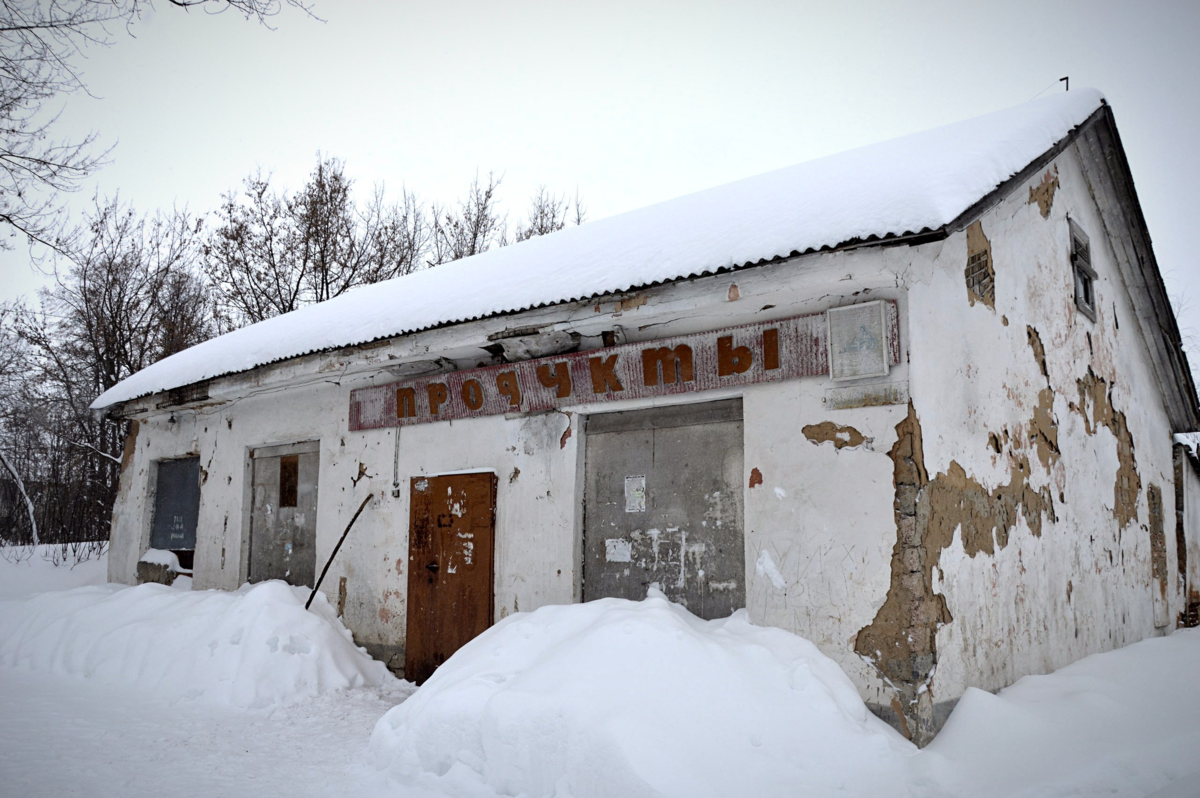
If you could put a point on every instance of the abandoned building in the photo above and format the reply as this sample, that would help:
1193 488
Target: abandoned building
914 402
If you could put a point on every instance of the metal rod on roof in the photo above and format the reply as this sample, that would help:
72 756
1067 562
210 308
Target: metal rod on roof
1066 80
329 562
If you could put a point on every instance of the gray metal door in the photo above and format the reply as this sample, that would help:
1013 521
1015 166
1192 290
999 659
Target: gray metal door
283 518
176 505
664 506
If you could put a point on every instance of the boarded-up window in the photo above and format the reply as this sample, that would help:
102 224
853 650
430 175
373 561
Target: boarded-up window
289 479
1085 275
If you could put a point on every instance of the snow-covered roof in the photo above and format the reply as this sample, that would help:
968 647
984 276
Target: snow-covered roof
907 185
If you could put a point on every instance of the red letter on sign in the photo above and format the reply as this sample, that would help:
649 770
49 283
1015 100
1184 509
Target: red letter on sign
675 364
406 403
604 374
437 396
472 394
507 385
732 359
770 349
556 376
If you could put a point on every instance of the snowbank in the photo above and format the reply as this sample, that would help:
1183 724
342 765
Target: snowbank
1120 723
625 698
23 572
909 184
252 648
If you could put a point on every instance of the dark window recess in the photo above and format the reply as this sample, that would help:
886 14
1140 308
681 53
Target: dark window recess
1085 275
979 276
289 480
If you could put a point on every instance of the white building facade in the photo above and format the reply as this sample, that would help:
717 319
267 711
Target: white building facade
943 453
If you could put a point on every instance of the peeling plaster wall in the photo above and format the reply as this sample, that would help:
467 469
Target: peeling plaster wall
1034 384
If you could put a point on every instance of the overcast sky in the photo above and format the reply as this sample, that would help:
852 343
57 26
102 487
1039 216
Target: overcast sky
631 103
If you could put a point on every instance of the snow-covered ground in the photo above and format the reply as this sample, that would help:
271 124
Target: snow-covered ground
22 573
160 691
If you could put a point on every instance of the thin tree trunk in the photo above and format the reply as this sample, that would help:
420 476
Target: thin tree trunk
21 487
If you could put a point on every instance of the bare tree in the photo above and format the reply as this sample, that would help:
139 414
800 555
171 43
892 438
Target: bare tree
549 214
126 294
248 258
271 253
41 42
395 236
474 225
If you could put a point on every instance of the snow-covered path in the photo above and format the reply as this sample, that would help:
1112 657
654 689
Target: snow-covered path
68 737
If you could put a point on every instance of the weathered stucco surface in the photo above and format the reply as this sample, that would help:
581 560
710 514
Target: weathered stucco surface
1040 430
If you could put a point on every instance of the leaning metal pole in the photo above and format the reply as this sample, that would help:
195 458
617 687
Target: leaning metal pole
329 562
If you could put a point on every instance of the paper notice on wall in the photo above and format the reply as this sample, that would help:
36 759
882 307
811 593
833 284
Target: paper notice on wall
618 550
635 494
857 341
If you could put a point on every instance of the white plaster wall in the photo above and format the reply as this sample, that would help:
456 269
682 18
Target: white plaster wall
1084 585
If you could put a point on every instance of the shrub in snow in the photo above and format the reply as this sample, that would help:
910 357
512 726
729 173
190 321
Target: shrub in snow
251 648
616 697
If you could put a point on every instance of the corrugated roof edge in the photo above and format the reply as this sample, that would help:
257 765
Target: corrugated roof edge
907 238
923 236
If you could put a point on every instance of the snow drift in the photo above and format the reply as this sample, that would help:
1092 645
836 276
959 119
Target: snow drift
1119 723
252 648
625 698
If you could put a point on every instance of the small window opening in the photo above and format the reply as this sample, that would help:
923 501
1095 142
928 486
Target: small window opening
1085 275
289 479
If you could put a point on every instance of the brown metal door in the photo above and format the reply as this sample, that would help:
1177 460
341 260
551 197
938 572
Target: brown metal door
451 537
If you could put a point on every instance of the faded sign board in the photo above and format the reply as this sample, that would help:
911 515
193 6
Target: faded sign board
451 539
753 353
858 345
283 513
687 539
176 505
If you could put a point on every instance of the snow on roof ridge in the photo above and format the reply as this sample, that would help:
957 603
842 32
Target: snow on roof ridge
921 181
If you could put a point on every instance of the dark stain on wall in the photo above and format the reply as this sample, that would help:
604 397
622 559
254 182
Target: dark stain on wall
1158 539
1043 428
828 432
1096 394
1043 192
755 477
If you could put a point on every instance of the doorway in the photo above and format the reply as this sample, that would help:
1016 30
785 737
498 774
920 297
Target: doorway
176 508
451 543
663 506
283 515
